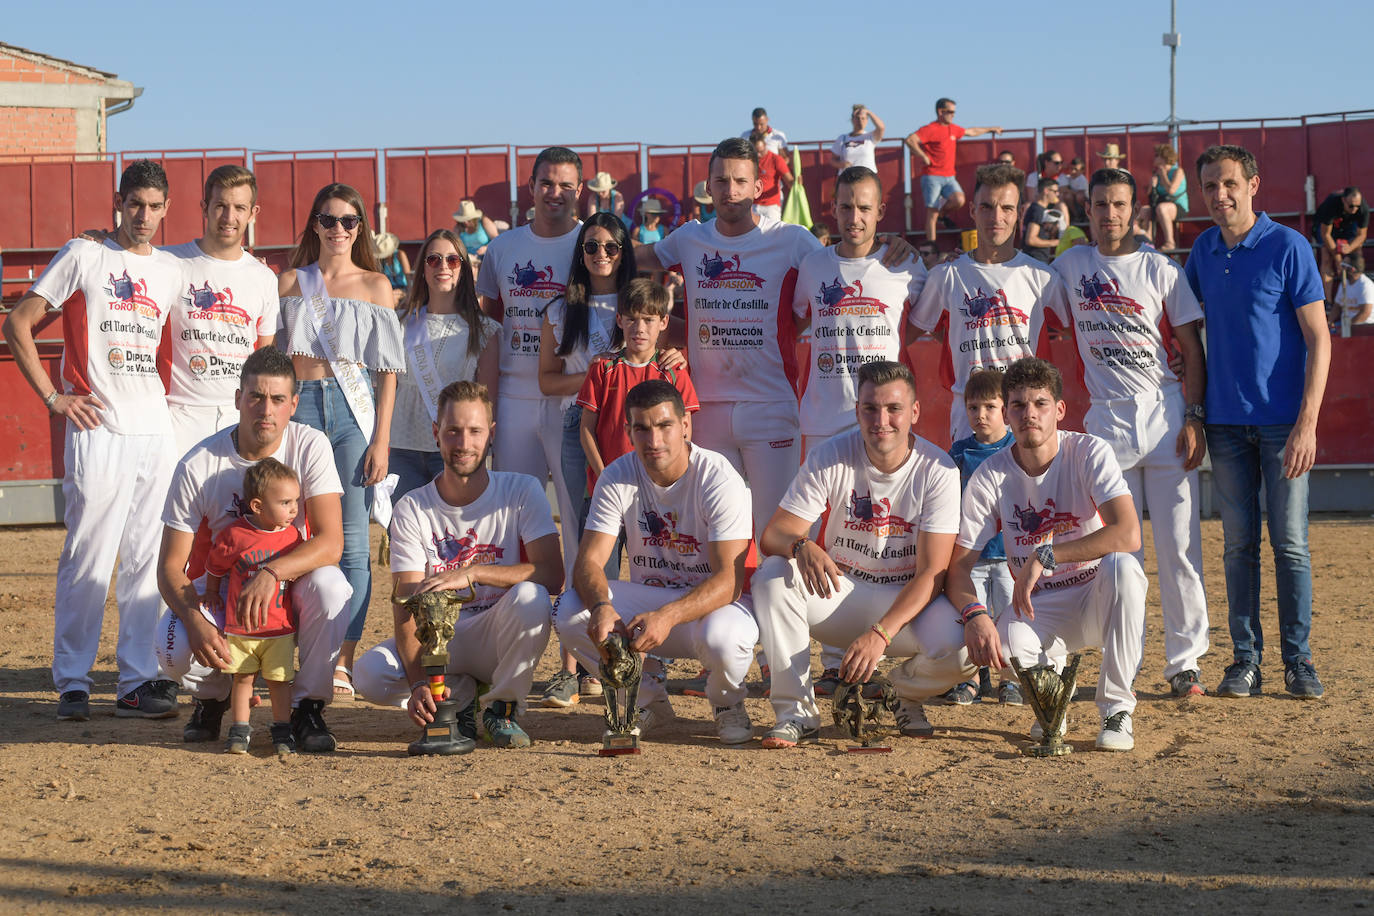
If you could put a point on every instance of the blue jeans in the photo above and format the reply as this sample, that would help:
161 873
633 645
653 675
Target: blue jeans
1242 458
575 473
414 468
322 405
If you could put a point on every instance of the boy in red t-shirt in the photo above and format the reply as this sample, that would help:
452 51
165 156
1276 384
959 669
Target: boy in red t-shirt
642 315
271 493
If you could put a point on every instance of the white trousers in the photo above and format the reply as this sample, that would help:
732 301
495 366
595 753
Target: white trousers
192 423
1105 613
114 489
320 599
723 640
1143 432
529 440
499 646
761 440
788 616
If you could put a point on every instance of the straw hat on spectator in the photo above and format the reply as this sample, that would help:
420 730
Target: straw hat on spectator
602 183
387 243
1111 152
467 212
651 205
699 194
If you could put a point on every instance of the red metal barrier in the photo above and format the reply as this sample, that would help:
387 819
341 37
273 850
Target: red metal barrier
678 168
620 160
41 201
186 172
288 183
424 186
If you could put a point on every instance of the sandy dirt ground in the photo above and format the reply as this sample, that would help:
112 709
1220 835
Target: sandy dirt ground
1265 804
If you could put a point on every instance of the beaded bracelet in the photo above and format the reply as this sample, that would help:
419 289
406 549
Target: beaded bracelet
878 628
972 609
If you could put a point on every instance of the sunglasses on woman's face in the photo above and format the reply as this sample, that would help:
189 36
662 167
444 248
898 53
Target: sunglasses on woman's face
350 222
591 247
434 260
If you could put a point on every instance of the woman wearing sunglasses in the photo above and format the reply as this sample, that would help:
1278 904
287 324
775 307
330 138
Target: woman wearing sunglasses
340 326
447 339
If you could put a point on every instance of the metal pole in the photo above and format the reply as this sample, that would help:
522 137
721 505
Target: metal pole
1171 42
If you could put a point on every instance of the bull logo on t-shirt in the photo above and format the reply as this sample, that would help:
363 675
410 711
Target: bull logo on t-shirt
984 310
838 299
1098 294
1045 520
834 293
122 288
661 531
209 303
866 514
454 551
726 272
129 295
528 280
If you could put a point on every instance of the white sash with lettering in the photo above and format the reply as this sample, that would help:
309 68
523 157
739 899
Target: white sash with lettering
352 378
421 351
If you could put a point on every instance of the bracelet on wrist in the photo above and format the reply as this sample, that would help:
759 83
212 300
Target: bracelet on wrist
418 684
881 631
797 545
977 612
272 572
603 601
970 607
51 399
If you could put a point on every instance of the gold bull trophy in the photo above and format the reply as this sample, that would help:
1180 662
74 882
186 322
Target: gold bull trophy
620 674
1049 694
435 613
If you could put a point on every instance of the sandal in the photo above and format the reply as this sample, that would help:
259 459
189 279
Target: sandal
961 695
343 686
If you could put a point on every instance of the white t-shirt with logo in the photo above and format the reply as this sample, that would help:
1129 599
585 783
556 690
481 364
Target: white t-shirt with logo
995 312
430 536
774 140
524 272
221 311
207 486
874 517
667 529
856 150
856 306
600 333
1352 297
740 333
1059 505
115 307
1119 308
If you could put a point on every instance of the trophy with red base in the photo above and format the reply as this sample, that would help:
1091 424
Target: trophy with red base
435 613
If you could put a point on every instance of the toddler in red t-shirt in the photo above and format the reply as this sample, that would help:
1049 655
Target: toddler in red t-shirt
271 494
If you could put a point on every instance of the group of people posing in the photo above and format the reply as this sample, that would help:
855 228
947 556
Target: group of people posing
679 440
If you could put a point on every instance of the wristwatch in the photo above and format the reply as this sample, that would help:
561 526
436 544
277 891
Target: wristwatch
1195 412
1045 554
51 399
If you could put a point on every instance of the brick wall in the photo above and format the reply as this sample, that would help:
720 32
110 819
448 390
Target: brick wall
15 69
35 131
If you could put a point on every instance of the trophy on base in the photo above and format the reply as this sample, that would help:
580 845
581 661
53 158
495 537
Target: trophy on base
1049 694
620 674
435 613
857 708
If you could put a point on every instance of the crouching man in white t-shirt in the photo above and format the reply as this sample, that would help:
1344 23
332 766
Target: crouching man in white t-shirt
685 511
206 496
1070 528
490 530
874 581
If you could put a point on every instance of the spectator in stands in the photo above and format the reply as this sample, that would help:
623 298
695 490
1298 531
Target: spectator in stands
700 207
605 198
934 146
1047 168
858 147
1068 235
1036 240
1111 156
1342 224
776 139
475 229
649 229
775 176
394 263
1168 198
1073 189
822 232
1006 158
930 254
1354 295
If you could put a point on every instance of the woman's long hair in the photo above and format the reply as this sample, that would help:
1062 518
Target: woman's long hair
575 297
364 253
464 297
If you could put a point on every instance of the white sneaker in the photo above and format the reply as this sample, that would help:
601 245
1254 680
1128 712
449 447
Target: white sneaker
733 725
1117 733
656 716
1036 732
912 721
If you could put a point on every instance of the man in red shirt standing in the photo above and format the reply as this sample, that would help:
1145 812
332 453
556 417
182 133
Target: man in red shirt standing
775 176
934 145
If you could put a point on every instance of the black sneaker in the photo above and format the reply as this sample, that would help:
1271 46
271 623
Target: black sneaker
1186 684
74 706
827 683
283 742
1242 679
1301 680
149 700
467 721
238 740
307 724
206 716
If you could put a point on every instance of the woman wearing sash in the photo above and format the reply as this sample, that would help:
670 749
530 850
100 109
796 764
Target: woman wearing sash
337 309
447 339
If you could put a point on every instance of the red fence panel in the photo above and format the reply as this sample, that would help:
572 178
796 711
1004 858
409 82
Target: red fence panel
44 203
620 160
424 186
288 183
678 169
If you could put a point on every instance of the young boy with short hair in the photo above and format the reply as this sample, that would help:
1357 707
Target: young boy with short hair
271 498
991 577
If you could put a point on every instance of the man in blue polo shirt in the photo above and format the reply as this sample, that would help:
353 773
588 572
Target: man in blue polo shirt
1268 352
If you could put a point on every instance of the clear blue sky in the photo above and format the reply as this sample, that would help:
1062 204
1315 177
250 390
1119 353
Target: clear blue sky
534 72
